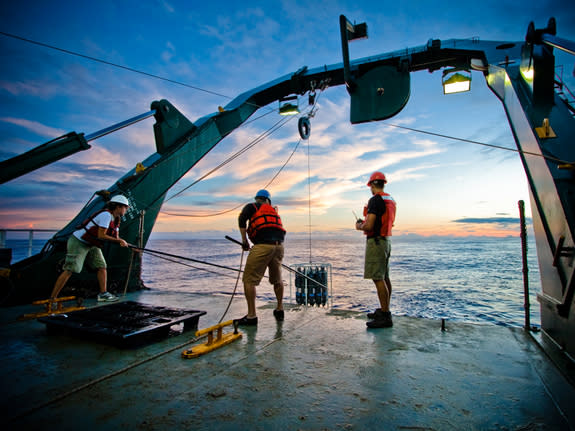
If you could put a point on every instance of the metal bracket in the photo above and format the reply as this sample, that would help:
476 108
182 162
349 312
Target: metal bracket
545 131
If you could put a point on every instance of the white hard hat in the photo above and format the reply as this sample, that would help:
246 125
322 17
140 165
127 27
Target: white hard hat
119 199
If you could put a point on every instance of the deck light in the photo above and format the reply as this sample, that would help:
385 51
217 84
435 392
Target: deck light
288 108
456 81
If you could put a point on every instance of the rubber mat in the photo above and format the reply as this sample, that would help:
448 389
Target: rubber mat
124 324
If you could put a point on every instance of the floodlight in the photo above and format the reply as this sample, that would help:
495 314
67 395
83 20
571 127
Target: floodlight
288 108
456 81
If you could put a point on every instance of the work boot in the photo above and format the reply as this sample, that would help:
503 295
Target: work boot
279 315
372 315
381 319
247 321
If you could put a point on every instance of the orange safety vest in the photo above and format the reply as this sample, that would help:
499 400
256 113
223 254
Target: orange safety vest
265 217
91 234
388 216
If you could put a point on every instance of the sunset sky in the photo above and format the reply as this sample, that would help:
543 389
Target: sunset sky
221 49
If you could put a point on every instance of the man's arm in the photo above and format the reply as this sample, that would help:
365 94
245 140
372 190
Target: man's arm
102 235
366 225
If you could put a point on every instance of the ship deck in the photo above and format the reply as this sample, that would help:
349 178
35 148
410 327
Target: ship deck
320 369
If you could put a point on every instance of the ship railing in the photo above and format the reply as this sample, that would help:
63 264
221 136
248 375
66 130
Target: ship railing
3 235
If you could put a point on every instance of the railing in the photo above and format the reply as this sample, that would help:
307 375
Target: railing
30 236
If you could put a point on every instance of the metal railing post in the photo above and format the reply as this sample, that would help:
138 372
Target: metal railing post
526 304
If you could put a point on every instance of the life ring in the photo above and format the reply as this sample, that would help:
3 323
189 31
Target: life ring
304 127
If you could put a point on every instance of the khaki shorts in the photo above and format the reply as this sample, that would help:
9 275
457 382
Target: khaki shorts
79 252
264 256
377 259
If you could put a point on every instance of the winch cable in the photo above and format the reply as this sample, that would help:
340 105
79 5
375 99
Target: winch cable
127 368
188 265
162 253
145 206
235 288
309 196
243 203
119 66
283 265
469 141
103 378
264 135
279 124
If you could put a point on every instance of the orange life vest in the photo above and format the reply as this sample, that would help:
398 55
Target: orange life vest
91 234
265 217
387 218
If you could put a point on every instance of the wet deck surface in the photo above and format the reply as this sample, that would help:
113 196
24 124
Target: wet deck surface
318 370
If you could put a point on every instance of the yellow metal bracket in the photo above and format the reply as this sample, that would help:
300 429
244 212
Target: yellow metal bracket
213 343
545 131
54 306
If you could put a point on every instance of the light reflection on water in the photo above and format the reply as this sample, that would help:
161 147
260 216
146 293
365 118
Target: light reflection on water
470 279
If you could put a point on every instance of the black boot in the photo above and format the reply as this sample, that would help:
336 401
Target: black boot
371 316
381 319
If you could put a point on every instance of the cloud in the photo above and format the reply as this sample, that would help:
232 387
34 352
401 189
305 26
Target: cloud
489 220
34 126
27 88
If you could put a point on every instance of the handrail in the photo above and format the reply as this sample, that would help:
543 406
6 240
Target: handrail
30 236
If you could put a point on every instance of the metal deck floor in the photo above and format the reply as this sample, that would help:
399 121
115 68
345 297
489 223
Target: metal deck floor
318 370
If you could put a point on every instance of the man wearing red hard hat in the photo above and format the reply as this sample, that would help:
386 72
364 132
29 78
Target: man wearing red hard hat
379 216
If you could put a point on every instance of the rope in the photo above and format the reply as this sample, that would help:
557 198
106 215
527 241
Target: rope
256 141
221 165
162 253
188 265
235 288
101 379
119 66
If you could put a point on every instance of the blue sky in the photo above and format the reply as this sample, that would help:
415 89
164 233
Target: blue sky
442 186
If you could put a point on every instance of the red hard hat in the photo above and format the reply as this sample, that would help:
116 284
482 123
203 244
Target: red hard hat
377 176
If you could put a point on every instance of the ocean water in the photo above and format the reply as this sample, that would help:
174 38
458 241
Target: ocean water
462 279
471 279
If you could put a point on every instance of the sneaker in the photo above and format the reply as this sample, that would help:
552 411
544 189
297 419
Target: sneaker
279 315
371 316
381 319
245 321
107 297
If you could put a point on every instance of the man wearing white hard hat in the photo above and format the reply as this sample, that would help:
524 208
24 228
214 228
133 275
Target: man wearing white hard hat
85 245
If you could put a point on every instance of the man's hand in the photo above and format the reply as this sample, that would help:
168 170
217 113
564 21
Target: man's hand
123 243
246 246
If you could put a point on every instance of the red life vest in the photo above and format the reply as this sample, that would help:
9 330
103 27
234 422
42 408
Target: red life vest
91 234
265 217
387 218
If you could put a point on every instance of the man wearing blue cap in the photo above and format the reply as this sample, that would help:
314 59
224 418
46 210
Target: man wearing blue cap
260 222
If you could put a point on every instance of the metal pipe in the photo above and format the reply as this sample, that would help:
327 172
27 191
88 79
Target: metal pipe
118 126
558 42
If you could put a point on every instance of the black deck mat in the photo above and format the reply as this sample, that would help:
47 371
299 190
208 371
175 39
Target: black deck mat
123 324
